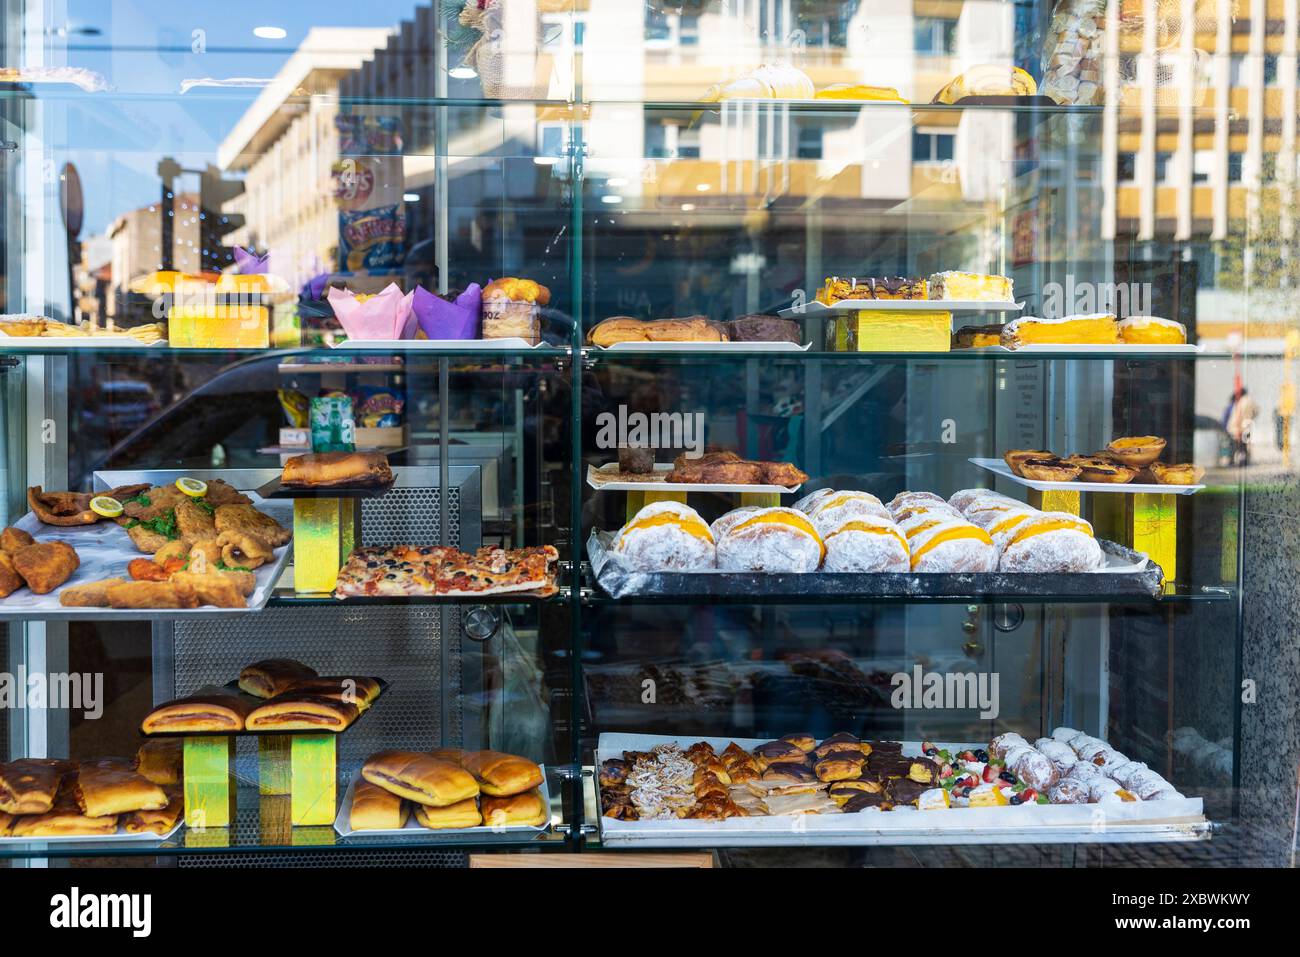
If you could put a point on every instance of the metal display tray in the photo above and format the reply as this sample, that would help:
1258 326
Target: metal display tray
105 549
1182 819
1127 574
233 688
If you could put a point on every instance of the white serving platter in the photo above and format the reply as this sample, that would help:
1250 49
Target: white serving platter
658 484
105 549
1110 349
1136 822
1002 470
51 343
121 835
739 347
512 344
901 305
413 829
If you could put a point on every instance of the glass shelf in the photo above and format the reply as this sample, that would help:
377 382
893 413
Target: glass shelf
893 358
1180 594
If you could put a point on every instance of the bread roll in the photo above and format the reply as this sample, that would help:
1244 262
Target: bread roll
374 809
502 775
519 809
666 536
772 540
420 777
460 814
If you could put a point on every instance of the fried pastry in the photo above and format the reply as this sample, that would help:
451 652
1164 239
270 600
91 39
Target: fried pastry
151 595
219 589
247 520
953 546
1051 542
666 536
89 595
771 540
72 508
46 565
243 551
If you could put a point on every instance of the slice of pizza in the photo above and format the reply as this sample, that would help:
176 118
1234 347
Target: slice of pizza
499 570
376 572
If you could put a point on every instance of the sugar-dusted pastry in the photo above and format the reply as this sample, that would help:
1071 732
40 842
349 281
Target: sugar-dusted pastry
1098 329
1034 768
953 545
813 499
666 536
1051 542
1152 331
833 511
968 497
971 287
1184 473
771 540
1138 451
866 544
1068 791
1058 752
1002 524
1004 742
724 522
905 500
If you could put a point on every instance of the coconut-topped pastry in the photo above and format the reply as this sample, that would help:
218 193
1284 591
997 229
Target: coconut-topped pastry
666 536
1051 542
866 543
771 540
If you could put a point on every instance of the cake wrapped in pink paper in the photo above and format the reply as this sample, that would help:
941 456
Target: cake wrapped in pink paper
440 319
385 315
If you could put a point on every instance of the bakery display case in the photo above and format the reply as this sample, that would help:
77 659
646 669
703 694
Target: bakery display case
785 428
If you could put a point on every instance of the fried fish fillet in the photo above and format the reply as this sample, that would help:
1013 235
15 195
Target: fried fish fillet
46 565
211 589
239 550
10 580
160 499
223 493
147 540
247 520
72 508
12 539
151 595
194 522
89 595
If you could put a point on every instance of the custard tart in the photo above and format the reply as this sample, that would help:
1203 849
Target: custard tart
1137 450
1183 473
1048 469
1014 457
1093 468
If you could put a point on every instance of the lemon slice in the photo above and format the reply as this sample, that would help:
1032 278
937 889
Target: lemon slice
192 487
106 506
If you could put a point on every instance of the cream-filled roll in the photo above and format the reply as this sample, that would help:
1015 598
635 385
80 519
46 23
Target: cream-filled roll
866 543
724 523
951 545
1051 542
834 510
1001 523
666 536
969 497
771 540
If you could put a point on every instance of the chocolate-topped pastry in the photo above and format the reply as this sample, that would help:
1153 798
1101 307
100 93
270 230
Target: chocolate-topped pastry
886 747
840 741
847 789
898 287
864 800
634 461
905 790
613 772
758 328
923 771
804 742
889 765
789 772
839 765
775 751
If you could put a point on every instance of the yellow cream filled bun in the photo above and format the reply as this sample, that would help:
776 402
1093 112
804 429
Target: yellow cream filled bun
967 497
810 502
1051 542
1002 523
723 524
905 500
952 545
771 540
665 536
834 510
992 503
866 543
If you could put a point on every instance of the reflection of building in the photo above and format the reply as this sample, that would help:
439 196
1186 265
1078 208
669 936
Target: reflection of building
137 238
286 145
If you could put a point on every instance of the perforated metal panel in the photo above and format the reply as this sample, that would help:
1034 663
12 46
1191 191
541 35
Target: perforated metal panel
407 515
417 857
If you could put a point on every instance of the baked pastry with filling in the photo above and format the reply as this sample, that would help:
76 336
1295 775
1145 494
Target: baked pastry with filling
1050 469
502 775
1138 451
971 287
953 545
866 544
294 711
272 676
110 786
162 761
725 522
1002 524
1152 331
1098 329
967 497
1183 473
832 511
421 778
460 814
336 469
1095 468
771 540
977 337
666 536
1014 457
157 820
374 809
31 785
210 710
1051 542
514 810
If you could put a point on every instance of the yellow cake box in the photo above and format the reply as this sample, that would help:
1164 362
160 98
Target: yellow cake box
892 330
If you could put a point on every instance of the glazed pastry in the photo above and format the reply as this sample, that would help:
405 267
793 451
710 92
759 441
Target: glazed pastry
971 287
865 801
421 778
804 742
1051 542
866 544
1094 468
211 710
771 540
778 752
331 469
1150 331
1014 457
1138 451
272 676
1182 474
839 765
831 511
841 741
953 546
1096 329
295 711
666 536
356 689
1049 470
